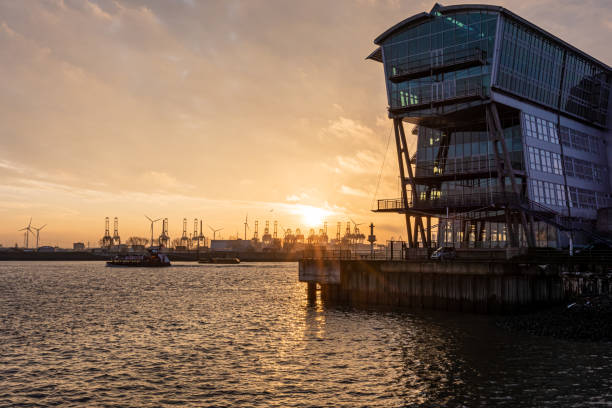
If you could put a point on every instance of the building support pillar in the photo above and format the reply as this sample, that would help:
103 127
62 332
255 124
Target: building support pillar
406 169
504 169
400 160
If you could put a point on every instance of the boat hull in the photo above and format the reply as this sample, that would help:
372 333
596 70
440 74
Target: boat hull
136 264
220 261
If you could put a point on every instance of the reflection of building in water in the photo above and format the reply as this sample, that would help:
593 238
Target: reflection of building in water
510 126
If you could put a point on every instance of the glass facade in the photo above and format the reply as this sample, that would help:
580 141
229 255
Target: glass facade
588 199
467 156
586 89
446 59
581 141
494 234
536 68
544 160
546 192
541 129
529 65
585 170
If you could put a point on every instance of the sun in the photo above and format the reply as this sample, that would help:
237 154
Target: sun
313 216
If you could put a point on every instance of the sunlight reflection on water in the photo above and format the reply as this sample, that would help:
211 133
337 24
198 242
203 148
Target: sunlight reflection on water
206 335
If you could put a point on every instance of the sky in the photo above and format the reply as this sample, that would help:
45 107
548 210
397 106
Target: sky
210 110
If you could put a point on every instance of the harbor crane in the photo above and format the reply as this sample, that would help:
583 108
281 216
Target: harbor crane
107 240
116 237
164 238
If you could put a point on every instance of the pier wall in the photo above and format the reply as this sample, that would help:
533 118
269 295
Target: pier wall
483 287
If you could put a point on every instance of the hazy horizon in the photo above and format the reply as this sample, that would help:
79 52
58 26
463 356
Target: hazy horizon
209 110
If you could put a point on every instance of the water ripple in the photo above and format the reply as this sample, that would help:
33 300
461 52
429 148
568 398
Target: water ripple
80 334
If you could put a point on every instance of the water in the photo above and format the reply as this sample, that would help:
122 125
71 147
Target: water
81 334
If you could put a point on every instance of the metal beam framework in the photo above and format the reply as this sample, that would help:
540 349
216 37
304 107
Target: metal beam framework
515 215
504 169
403 158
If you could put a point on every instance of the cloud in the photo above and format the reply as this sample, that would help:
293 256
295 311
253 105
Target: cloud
362 163
353 191
206 109
160 181
349 130
299 197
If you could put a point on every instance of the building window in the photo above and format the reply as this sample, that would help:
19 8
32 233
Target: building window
581 141
588 199
539 128
547 193
545 161
585 170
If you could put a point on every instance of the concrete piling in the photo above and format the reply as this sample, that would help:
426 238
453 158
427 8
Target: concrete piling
470 286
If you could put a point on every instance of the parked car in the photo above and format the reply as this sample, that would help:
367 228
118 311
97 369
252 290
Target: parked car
444 254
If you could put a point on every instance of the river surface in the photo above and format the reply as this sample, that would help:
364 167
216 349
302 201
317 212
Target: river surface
82 334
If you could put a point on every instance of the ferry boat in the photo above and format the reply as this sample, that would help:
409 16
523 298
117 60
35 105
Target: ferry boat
151 260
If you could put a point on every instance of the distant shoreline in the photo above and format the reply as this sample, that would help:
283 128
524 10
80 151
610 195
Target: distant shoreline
174 257
52 256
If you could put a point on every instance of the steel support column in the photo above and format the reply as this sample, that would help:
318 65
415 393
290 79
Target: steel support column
417 219
400 160
504 169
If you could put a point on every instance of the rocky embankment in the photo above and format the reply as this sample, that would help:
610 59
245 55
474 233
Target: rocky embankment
586 319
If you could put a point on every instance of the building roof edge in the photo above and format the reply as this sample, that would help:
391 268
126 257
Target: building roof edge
438 7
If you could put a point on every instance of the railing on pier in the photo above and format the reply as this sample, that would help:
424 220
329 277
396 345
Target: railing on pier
393 250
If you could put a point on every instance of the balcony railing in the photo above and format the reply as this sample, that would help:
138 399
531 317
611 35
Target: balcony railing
470 200
437 94
436 62
392 204
467 166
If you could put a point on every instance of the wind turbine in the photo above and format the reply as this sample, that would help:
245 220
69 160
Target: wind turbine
215 231
246 225
28 230
152 222
356 227
38 232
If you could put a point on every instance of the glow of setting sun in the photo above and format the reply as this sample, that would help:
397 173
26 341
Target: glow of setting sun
313 216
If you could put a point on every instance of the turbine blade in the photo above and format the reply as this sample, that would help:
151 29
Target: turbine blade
147 217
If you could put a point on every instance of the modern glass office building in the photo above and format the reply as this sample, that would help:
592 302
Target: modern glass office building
512 124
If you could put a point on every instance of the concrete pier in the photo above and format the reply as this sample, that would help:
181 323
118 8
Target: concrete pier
471 286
